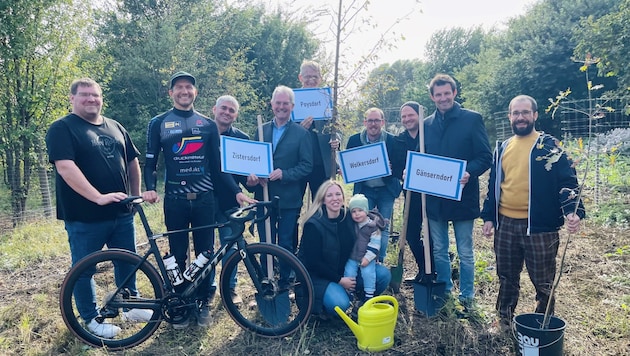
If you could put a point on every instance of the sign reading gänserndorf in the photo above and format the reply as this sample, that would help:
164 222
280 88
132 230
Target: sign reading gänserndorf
434 175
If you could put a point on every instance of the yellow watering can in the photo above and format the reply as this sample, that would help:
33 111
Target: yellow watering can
376 322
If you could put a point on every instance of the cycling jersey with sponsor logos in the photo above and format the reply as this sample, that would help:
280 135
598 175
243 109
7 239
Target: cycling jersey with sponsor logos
190 144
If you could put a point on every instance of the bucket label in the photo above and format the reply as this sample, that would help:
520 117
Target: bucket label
386 340
528 345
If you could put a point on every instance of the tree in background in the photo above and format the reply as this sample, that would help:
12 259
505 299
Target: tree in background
239 50
389 86
532 57
608 37
450 50
38 41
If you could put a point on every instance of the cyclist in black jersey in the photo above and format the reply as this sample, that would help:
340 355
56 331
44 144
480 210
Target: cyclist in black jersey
189 142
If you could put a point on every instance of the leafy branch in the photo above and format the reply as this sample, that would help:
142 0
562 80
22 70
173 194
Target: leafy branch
594 112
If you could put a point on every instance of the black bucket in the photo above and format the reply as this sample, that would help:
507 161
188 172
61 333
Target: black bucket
532 340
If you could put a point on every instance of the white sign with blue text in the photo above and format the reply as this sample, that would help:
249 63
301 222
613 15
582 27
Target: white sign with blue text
364 162
244 157
312 102
434 175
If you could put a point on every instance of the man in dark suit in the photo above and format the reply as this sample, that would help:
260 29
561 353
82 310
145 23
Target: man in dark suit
455 132
292 162
225 112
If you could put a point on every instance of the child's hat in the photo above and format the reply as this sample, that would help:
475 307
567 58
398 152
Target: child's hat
359 201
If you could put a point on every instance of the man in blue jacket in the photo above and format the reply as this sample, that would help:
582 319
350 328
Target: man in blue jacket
292 162
532 188
455 132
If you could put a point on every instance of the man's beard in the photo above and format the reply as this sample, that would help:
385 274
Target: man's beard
523 131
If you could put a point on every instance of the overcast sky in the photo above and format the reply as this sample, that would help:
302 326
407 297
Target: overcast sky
427 17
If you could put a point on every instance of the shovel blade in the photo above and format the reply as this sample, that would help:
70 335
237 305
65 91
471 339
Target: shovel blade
429 297
274 310
397 274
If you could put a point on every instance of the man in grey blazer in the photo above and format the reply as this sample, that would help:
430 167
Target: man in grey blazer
292 162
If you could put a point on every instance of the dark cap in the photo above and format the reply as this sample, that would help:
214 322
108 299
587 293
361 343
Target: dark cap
180 75
412 104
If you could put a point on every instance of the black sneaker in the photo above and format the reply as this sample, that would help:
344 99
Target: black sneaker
204 319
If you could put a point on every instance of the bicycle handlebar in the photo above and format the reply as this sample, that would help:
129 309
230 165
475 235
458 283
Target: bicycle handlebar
240 215
246 213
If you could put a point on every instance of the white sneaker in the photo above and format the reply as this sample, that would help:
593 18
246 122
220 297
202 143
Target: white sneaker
137 315
104 330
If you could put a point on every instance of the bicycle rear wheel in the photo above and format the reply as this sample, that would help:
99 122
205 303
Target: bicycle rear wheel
100 266
284 301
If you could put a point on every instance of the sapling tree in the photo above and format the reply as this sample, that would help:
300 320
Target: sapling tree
593 113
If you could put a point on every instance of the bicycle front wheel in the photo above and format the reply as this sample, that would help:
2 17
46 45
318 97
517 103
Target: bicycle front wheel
128 317
276 289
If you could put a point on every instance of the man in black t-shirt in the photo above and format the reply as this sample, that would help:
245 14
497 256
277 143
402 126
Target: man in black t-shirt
96 166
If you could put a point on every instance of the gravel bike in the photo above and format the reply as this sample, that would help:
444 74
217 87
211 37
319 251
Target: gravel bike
275 304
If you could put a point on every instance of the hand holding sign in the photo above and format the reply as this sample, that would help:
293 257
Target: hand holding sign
364 162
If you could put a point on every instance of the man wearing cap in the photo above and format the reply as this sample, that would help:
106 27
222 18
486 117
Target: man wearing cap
409 140
190 144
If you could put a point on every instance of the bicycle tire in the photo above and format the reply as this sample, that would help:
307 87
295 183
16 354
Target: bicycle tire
149 285
293 298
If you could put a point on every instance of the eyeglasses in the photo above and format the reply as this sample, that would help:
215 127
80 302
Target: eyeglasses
308 77
87 95
373 121
525 113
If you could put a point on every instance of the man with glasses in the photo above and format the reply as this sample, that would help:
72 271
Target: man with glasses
96 166
527 202
311 77
380 192
455 132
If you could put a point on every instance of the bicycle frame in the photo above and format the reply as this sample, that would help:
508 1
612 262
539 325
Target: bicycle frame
237 223
147 287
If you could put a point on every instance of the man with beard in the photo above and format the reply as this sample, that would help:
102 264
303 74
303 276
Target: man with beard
190 144
409 140
380 192
532 187
292 162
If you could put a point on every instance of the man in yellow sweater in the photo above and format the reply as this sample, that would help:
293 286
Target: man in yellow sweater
531 190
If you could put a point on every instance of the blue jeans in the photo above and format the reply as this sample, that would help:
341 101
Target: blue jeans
181 213
368 274
438 230
87 237
381 198
225 232
336 295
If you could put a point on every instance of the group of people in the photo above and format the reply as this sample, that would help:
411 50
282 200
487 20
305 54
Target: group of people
532 191
343 243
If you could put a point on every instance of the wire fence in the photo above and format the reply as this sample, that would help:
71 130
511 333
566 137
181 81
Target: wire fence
572 125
